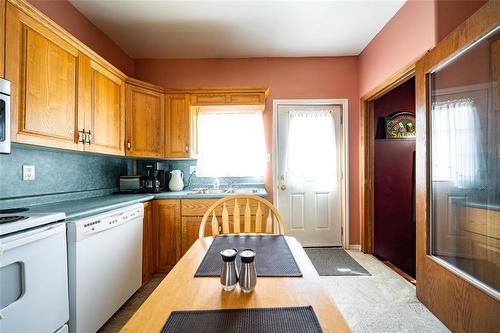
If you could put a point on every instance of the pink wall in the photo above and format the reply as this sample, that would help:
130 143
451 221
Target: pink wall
406 37
67 16
287 78
416 28
450 13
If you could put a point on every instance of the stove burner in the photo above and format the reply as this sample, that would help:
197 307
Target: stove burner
12 218
13 210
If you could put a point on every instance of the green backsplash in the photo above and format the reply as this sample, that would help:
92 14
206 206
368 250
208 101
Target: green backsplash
58 172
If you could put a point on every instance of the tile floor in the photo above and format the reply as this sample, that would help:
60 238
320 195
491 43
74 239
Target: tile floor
383 302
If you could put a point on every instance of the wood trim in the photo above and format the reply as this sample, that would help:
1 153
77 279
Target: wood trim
145 85
2 37
34 13
400 272
460 305
223 90
367 133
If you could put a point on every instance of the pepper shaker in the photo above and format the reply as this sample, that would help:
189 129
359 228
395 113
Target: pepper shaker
229 275
248 276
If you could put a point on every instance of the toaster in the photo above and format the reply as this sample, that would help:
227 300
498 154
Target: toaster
130 183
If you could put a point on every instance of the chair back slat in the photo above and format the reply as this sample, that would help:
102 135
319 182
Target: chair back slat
248 217
269 223
260 216
225 220
236 217
215 224
258 220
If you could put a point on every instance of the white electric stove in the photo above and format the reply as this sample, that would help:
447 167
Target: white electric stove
33 272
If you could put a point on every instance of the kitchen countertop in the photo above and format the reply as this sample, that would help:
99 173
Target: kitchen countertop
81 208
488 206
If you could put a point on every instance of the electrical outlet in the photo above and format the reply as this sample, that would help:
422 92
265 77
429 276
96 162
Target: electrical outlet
28 172
192 168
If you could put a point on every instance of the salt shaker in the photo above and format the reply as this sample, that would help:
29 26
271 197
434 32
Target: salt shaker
248 276
229 275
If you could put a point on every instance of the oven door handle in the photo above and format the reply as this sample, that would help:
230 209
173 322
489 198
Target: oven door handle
33 237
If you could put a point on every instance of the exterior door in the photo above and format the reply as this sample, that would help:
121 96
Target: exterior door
309 173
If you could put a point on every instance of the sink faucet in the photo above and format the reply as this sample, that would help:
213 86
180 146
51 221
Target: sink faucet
230 186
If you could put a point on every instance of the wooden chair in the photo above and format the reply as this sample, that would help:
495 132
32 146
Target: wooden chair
253 205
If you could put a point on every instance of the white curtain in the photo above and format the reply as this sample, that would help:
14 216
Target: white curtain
456 143
230 144
311 153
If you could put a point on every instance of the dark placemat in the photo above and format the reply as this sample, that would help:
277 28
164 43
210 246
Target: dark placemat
331 261
273 256
272 320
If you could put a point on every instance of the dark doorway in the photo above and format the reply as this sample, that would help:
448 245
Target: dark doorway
394 170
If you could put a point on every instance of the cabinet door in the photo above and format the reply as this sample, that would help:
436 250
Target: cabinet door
144 122
102 96
190 231
167 219
177 126
148 244
2 38
43 69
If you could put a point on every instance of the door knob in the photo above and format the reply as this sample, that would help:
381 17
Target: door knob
283 187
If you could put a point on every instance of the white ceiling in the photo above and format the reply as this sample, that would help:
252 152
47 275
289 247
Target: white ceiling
239 29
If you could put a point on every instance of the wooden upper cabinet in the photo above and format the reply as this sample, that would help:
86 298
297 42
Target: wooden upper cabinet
144 121
42 67
102 97
2 38
178 126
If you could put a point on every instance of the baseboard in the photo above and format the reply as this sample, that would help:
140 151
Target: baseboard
356 247
400 272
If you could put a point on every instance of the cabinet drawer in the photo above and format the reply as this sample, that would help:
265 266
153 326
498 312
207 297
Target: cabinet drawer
198 207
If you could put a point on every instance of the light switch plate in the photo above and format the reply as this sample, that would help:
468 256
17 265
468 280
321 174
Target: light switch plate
28 172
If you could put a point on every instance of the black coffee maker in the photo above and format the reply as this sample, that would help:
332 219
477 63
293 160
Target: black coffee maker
154 179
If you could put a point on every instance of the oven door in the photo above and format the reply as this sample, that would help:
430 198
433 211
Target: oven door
33 280
4 116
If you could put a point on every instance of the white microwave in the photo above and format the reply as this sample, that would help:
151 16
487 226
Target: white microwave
4 116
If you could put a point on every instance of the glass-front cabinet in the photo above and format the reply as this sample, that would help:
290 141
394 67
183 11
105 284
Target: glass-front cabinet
464 128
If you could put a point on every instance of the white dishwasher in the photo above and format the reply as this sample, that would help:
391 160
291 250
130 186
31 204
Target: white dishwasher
105 265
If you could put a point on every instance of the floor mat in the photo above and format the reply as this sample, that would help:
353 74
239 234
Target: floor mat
332 261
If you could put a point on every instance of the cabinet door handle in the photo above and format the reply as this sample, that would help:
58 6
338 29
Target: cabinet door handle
187 148
89 137
81 136
129 144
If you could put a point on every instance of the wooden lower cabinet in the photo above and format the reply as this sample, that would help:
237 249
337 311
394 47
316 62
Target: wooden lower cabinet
167 226
190 231
171 227
148 244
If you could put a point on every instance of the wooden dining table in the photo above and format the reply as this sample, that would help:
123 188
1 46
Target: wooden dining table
181 290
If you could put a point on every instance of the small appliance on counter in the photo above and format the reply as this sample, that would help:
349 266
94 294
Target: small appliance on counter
154 179
130 184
